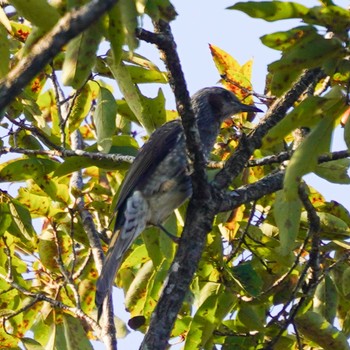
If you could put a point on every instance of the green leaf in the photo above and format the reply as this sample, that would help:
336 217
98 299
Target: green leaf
335 171
81 56
38 12
285 40
149 112
4 52
346 282
116 33
287 211
208 317
5 217
271 11
248 278
160 9
326 299
310 51
326 15
151 238
140 75
21 220
71 335
306 114
154 287
332 225
316 328
135 295
129 18
105 117
24 169
31 344
81 107
347 129
248 315
304 159
121 328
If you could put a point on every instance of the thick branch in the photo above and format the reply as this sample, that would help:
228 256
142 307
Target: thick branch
248 193
49 46
164 40
201 209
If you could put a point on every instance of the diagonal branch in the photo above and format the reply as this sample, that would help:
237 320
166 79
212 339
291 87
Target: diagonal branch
250 143
49 46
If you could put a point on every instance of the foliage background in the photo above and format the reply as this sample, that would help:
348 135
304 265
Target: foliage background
194 66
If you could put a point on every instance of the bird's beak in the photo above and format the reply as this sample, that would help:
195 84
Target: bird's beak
249 108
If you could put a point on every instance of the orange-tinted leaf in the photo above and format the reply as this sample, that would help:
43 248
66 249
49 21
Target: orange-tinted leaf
237 76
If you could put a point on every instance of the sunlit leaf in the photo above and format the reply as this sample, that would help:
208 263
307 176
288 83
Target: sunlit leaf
304 159
116 32
287 212
208 316
326 299
23 169
314 327
335 171
129 18
31 344
325 15
238 77
310 51
80 56
71 334
80 108
21 220
271 11
160 9
4 52
39 12
285 40
150 112
104 117
134 298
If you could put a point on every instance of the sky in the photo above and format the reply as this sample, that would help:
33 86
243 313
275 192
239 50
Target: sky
203 22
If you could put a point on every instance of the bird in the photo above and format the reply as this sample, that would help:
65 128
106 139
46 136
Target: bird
159 179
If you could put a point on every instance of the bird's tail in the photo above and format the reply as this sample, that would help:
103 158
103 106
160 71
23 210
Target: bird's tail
135 223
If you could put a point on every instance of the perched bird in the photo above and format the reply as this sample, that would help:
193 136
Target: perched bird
159 180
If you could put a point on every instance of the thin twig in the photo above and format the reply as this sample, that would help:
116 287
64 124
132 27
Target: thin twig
62 153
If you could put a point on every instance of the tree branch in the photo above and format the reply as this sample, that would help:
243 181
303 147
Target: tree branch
248 144
69 26
108 334
200 212
62 153
164 40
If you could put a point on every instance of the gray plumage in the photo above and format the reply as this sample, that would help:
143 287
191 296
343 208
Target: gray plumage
159 181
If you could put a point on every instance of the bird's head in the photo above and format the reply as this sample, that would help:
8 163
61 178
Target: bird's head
222 103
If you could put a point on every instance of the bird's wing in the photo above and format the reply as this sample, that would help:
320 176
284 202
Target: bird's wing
151 154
